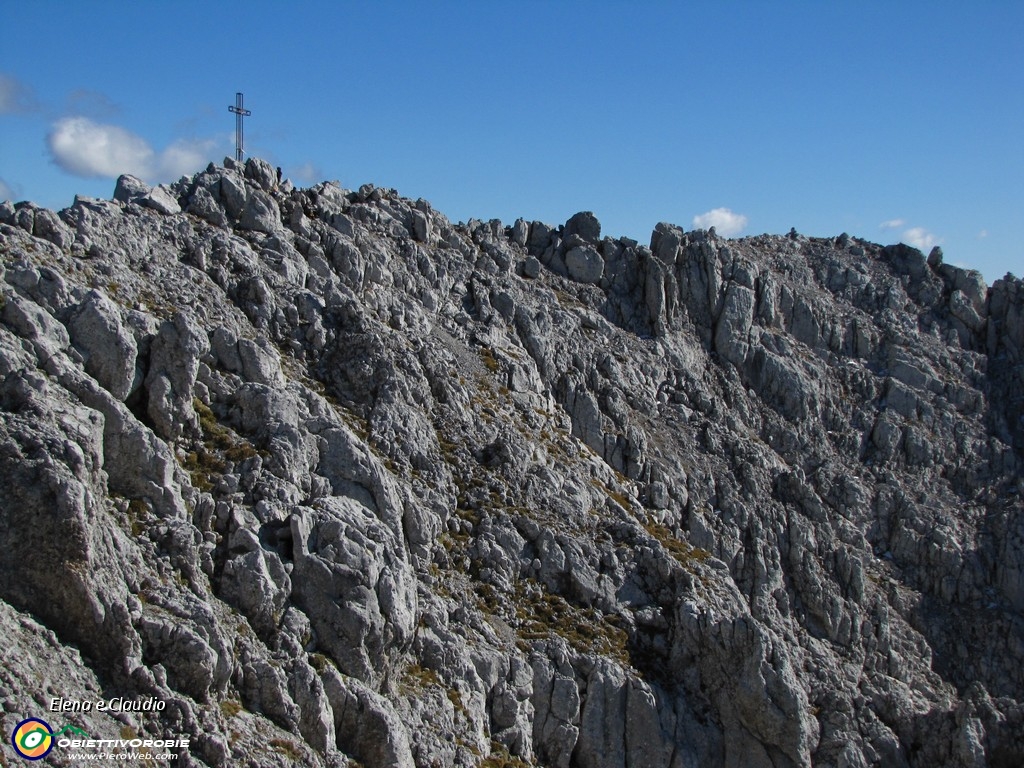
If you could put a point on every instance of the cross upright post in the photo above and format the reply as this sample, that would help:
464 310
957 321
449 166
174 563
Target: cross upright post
240 114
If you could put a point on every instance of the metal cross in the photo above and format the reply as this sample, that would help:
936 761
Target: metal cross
240 114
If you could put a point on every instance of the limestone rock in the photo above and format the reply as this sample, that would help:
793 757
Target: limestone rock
368 726
205 207
129 189
421 228
260 213
174 364
48 226
261 173
341 480
161 201
233 192
584 224
108 348
363 611
584 264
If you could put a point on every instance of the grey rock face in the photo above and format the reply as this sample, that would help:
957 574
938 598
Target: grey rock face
341 481
260 213
174 364
584 264
160 200
108 348
130 188
203 205
421 226
261 173
352 580
584 224
234 192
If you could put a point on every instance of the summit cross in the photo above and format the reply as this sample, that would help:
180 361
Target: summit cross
240 114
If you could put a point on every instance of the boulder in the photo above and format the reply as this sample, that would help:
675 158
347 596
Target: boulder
48 226
130 188
202 204
107 346
170 380
233 193
262 173
353 581
421 228
584 224
520 232
255 581
367 724
161 200
585 265
531 267
260 213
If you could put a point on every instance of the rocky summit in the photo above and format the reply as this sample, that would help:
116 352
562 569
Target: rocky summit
326 479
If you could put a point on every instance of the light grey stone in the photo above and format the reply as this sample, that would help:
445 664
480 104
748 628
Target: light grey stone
262 173
338 487
520 232
129 188
260 213
234 193
585 265
259 362
48 226
531 267
161 201
421 228
368 727
107 346
586 225
205 207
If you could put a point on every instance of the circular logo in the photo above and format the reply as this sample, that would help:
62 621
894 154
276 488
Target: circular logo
32 738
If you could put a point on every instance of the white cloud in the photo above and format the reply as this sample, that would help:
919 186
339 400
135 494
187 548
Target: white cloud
184 157
920 238
983 234
307 173
96 150
6 191
892 224
725 222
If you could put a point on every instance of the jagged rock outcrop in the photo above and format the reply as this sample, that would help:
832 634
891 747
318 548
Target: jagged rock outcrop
338 480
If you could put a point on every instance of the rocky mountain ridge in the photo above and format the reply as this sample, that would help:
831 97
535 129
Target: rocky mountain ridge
341 481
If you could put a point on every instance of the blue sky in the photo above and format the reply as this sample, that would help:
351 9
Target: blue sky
889 121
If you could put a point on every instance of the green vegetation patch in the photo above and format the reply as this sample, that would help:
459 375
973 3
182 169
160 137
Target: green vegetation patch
586 630
138 512
489 360
220 445
287 748
501 758
217 437
683 551
418 678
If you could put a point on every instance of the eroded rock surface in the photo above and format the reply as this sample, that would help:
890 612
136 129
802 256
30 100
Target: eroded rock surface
340 480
